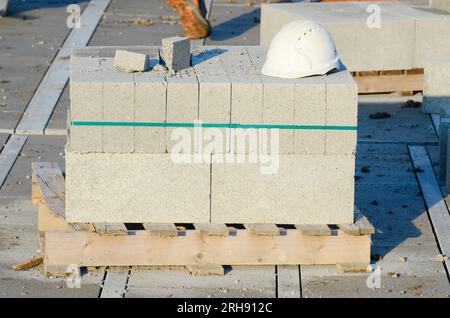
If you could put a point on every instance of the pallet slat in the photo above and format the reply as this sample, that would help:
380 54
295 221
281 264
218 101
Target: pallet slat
314 229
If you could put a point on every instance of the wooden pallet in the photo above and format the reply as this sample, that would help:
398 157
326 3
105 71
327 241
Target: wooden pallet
185 244
389 81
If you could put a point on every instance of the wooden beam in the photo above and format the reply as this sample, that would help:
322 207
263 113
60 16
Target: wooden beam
389 83
437 209
90 249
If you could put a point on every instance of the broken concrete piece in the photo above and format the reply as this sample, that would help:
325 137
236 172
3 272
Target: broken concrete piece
130 62
176 53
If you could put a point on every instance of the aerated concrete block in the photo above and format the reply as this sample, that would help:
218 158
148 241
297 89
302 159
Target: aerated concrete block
436 85
342 113
150 107
307 189
151 188
214 86
86 105
246 88
176 53
310 109
443 5
182 102
118 106
278 100
127 61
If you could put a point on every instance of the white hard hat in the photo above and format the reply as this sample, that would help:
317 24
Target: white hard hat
299 49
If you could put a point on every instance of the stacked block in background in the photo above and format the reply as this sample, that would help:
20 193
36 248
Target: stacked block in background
126 172
404 38
436 85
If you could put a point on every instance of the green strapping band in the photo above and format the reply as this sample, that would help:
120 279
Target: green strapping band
207 125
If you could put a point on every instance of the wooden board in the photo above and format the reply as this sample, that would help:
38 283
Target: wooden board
385 82
437 209
141 248
9 154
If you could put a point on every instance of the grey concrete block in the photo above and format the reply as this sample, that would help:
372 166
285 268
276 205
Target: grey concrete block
152 188
176 53
341 110
214 86
150 107
182 102
310 109
86 105
278 100
118 106
436 85
443 5
127 61
307 189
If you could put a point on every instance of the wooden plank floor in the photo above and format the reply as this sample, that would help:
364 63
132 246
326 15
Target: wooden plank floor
387 189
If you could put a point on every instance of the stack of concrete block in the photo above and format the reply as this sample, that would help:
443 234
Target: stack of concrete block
436 85
443 5
125 171
370 36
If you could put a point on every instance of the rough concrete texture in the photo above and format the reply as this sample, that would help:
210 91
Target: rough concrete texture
130 61
152 188
240 193
118 106
407 30
278 100
310 109
176 53
443 5
149 106
436 85
341 110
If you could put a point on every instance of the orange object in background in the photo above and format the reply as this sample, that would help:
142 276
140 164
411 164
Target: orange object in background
192 17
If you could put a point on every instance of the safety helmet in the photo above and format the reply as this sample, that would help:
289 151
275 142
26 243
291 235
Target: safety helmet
300 49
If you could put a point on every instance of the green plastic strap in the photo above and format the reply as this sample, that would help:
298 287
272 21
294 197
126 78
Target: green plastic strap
208 125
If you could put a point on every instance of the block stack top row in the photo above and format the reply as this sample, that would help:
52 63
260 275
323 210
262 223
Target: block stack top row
224 85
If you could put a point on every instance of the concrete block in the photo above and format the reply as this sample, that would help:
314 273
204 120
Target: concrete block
152 188
150 107
214 86
86 105
436 85
246 88
182 102
307 189
278 100
443 5
341 110
127 61
176 53
118 106
310 109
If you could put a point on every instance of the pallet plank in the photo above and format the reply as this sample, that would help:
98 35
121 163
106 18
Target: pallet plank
437 209
115 284
9 154
41 105
389 83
